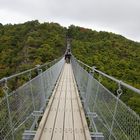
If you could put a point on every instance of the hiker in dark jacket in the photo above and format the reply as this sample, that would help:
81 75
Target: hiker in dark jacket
67 57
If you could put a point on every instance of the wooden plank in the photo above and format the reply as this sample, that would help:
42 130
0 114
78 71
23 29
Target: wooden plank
68 124
49 126
65 118
59 123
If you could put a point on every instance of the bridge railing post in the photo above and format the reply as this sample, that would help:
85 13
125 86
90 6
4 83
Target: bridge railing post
43 100
119 93
88 89
32 95
6 90
31 90
92 115
97 91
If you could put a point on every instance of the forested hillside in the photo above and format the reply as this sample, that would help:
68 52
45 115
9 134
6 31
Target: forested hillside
22 46
112 54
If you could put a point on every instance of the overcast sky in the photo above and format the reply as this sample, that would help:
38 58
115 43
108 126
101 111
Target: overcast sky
118 16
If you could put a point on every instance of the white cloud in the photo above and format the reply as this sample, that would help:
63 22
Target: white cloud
7 17
120 16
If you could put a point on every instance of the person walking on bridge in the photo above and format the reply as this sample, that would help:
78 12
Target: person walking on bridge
68 56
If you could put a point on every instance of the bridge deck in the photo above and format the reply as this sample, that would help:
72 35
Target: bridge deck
64 117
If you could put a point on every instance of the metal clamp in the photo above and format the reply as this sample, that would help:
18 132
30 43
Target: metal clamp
5 87
92 114
119 91
100 78
37 113
97 136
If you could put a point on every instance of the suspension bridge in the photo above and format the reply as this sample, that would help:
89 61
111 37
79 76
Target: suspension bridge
63 101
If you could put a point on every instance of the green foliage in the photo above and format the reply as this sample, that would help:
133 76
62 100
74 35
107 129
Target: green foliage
112 54
22 46
25 45
134 102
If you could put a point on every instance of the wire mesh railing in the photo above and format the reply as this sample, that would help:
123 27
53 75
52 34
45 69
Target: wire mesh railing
109 116
19 108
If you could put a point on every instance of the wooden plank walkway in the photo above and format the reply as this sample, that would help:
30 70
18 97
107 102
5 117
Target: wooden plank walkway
64 118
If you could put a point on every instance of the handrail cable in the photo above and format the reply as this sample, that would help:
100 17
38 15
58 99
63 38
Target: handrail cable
110 77
29 70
